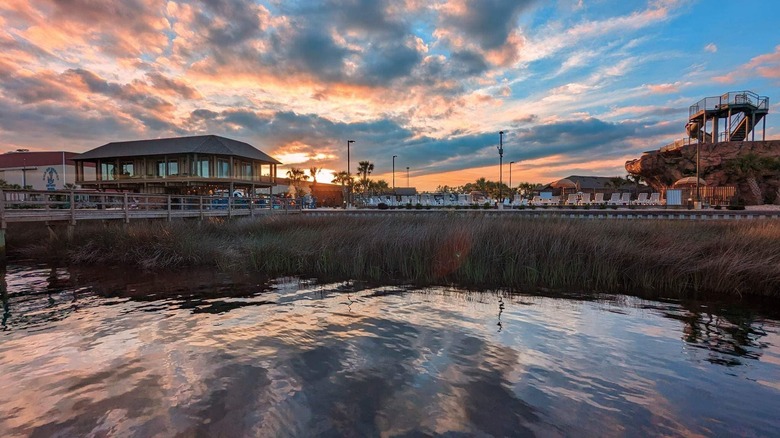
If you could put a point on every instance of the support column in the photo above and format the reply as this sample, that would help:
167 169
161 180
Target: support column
728 135
763 134
753 127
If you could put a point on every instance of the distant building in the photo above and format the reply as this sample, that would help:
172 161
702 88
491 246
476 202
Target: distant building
40 170
198 165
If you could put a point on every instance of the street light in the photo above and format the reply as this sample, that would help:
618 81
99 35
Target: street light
500 164
407 177
510 178
349 176
394 171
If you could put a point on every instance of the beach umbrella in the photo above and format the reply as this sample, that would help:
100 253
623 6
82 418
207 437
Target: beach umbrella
689 181
563 184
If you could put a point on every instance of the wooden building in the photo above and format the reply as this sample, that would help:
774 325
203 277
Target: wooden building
204 164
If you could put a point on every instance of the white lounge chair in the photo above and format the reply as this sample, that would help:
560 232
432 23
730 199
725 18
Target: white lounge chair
585 199
598 199
555 200
641 199
625 198
572 199
655 199
614 199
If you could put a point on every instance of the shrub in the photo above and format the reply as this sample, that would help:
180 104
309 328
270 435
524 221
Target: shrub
382 206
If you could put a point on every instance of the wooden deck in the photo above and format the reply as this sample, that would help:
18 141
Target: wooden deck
73 206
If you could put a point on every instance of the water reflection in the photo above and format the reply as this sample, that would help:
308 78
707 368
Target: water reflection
237 355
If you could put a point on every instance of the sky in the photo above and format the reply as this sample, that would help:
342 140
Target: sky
578 86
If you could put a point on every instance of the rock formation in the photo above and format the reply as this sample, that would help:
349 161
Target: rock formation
718 167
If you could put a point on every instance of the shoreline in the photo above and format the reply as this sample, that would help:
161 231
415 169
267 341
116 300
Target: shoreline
658 258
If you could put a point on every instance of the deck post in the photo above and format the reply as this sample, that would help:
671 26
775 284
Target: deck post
169 208
126 208
72 208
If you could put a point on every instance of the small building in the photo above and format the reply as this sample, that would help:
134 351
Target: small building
203 164
40 170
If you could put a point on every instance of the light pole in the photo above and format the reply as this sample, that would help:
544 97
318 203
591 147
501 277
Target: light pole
394 171
500 164
511 192
349 176
407 176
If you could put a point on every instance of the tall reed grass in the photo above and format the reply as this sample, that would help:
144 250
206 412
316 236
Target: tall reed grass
671 258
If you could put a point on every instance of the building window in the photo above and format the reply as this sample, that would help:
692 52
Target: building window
173 168
107 171
161 169
223 169
203 168
127 169
246 171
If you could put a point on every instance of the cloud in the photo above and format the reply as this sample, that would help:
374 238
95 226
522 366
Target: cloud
711 48
766 66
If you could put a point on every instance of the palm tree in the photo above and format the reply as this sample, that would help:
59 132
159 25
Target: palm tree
636 179
364 170
379 186
313 171
297 177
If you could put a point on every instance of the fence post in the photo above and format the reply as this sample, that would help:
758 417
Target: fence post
72 208
200 207
169 208
230 205
251 207
126 208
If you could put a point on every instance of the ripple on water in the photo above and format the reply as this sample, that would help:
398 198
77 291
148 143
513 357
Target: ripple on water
204 353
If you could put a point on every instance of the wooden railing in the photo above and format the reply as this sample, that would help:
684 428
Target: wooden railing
72 206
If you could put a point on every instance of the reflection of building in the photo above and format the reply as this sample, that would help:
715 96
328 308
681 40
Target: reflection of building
198 164
40 170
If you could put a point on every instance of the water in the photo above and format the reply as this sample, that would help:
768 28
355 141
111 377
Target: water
112 353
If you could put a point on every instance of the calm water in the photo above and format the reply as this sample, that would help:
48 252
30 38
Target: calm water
101 354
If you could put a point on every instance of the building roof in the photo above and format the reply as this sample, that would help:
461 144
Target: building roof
590 182
199 144
16 159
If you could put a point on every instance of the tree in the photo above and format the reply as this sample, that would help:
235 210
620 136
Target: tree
342 178
527 188
313 171
364 170
636 179
615 182
297 177
379 186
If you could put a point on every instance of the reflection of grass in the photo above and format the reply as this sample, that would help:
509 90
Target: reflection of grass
649 257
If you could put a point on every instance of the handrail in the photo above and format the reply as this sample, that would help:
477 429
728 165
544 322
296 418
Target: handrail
15 202
731 98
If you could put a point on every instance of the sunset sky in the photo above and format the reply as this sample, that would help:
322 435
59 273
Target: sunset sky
580 86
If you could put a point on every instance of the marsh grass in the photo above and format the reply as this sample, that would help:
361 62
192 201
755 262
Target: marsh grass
652 258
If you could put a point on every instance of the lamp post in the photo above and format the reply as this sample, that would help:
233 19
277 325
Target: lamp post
500 164
349 176
511 192
394 171
407 177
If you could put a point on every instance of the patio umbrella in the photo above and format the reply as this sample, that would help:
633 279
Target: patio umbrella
689 181
563 184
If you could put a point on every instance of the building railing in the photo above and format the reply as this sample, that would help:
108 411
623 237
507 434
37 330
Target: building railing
36 205
180 177
731 98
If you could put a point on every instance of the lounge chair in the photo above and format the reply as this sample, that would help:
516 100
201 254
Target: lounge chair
598 199
625 198
555 200
655 199
614 199
585 199
641 199
572 199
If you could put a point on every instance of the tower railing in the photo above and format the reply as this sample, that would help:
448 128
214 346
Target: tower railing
748 98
